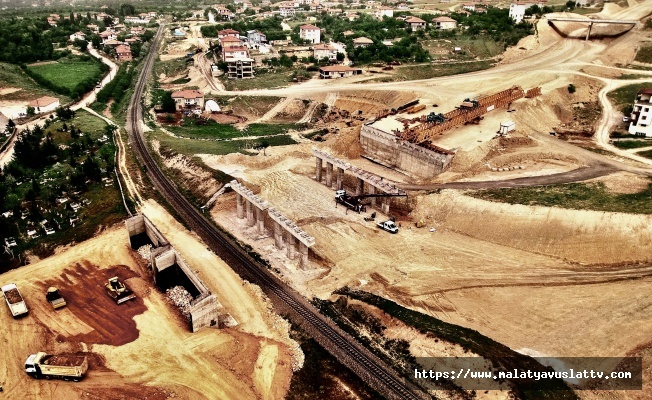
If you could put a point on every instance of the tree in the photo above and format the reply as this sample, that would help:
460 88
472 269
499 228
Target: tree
127 9
82 45
167 103
30 111
571 88
340 56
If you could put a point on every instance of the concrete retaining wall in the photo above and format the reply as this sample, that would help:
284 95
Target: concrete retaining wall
385 148
140 224
205 310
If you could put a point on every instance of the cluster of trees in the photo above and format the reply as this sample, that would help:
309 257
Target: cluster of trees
81 88
496 24
117 88
31 39
271 27
406 49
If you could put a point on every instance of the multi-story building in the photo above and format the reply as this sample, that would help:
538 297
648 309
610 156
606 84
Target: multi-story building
517 9
310 33
240 68
641 117
123 52
383 11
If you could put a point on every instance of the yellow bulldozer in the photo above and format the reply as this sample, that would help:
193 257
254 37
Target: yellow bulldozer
118 291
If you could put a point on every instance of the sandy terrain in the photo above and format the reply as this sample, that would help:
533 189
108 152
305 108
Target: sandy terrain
129 359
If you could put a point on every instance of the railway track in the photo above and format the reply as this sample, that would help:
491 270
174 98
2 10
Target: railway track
341 345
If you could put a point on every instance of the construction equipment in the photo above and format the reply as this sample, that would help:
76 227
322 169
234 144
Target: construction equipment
388 226
43 365
55 298
470 111
354 202
14 300
118 291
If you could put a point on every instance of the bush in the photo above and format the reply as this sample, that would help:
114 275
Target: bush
571 88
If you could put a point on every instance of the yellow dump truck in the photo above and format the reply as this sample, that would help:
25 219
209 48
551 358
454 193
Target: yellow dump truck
66 367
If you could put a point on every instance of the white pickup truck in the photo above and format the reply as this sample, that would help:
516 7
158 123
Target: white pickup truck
14 300
389 226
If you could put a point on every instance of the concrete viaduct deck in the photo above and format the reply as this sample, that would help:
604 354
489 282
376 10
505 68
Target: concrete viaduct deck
375 183
594 21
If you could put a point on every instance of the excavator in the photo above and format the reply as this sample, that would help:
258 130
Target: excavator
355 202
118 291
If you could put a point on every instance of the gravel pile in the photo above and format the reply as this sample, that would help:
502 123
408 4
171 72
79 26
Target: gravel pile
145 251
181 299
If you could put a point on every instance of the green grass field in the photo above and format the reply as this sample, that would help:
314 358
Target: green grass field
625 96
646 154
212 130
632 144
67 73
192 147
413 72
278 78
644 54
577 196
89 124
11 76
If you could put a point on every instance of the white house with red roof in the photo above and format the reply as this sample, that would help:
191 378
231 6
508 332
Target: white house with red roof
188 99
310 33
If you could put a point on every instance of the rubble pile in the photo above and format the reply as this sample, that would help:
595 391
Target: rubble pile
145 251
181 299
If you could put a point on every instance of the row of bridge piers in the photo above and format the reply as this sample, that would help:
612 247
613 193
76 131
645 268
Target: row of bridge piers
286 234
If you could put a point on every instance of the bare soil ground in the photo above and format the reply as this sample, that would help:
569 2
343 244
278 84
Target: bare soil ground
127 356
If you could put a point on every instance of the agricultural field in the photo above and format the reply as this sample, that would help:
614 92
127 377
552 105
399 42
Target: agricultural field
69 73
16 85
208 129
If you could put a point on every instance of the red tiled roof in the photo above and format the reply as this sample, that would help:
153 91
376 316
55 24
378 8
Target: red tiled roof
309 27
187 94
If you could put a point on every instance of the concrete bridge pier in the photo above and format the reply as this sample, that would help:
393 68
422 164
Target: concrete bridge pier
239 202
250 214
372 190
291 250
359 187
329 174
260 221
340 178
384 206
278 235
303 256
318 170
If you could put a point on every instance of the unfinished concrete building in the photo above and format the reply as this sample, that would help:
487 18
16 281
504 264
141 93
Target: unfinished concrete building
240 68
169 270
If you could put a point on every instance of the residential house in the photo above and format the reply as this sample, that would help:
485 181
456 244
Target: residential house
383 11
310 33
641 117
517 9
403 7
228 33
131 41
415 23
256 37
93 28
468 6
337 71
137 30
224 13
134 19
112 43
348 33
108 35
77 36
119 27
123 52
322 51
444 23
362 42
286 11
230 41
188 100
148 16
45 104
52 22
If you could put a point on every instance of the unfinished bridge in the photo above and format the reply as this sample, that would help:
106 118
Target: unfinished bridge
590 22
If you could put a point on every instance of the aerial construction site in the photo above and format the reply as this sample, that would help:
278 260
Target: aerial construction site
384 221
